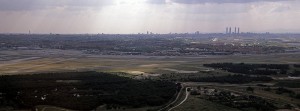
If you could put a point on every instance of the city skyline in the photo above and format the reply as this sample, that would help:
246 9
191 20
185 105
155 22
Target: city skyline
140 16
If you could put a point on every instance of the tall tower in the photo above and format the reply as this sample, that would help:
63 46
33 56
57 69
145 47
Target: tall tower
229 30
234 30
226 30
239 30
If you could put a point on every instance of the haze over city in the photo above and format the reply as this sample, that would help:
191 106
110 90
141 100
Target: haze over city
149 55
139 16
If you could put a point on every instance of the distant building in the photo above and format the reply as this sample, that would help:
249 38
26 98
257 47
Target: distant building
234 30
226 30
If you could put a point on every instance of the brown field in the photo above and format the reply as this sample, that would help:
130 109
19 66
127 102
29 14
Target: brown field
35 61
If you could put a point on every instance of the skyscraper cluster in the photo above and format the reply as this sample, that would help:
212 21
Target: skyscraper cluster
236 30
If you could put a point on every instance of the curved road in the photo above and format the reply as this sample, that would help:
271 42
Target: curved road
177 97
186 97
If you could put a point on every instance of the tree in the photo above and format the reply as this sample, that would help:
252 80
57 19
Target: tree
250 89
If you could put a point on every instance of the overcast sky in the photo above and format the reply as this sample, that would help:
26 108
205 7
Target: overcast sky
139 16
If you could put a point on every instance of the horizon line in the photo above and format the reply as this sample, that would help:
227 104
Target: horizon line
189 33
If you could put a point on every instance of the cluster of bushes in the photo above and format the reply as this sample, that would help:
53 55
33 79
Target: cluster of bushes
242 102
233 79
82 91
289 83
253 69
282 90
297 65
295 73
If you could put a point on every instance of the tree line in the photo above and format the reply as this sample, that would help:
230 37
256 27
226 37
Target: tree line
82 91
253 69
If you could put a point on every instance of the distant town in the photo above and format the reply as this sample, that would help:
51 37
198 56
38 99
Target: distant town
150 44
234 71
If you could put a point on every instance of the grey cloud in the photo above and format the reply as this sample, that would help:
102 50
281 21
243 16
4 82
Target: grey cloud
281 9
156 1
89 3
23 5
222 1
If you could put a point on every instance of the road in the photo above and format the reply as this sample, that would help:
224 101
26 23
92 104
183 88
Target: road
186 97
177 97
50 108
53 108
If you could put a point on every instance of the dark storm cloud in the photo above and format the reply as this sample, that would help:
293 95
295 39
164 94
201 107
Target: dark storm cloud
223 1
20 5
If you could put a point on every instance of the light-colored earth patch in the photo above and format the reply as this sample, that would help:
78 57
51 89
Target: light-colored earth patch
150 65
135 72
180 71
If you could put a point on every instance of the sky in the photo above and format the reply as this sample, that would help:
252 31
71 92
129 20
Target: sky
140 16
